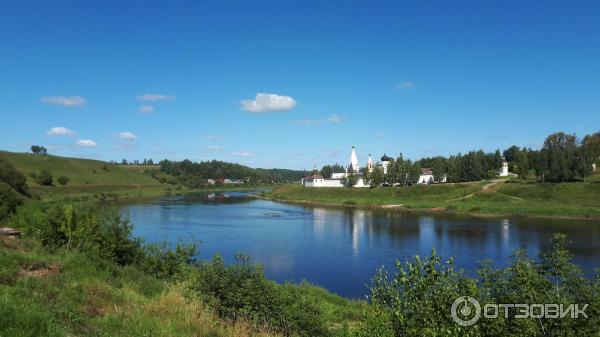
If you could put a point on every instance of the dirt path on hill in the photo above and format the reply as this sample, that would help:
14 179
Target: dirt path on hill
492 186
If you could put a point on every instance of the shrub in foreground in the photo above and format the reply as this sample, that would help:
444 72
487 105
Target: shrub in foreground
416 300
241 291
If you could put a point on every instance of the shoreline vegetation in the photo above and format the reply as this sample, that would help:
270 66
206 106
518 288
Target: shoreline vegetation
491 198
76 270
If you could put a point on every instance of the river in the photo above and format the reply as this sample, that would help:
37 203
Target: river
341 248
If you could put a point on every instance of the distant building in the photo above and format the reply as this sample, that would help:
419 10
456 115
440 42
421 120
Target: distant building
385 162
504 169
338 179
427 177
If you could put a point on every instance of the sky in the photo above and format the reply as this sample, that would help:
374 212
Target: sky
294 84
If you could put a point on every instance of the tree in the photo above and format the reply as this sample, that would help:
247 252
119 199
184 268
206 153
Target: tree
9 200
510 153
38 149
561 149
540 164
12 177
44 177
63 180
350 180
376 177
522 164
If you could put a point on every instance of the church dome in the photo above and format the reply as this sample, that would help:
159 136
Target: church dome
385 158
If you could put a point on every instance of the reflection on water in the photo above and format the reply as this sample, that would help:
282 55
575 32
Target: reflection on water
340 248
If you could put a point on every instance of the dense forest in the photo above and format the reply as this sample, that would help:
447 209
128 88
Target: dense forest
194 173
563 157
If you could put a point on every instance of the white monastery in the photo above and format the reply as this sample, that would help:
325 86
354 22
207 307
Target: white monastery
353 169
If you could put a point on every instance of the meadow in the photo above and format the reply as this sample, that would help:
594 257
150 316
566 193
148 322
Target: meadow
511 197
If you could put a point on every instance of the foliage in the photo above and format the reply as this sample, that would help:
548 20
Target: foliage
194 173
375 178
9 201
83 227
165 263
44 177
9 175
79 171
63 180
38 149
415 301
328 170
242 291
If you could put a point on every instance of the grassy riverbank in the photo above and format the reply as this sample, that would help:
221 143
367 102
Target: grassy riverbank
500 197
70 294
98 180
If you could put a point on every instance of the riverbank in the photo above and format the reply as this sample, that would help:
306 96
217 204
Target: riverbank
131 191
510 198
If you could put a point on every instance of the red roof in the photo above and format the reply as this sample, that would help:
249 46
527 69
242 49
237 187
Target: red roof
426 170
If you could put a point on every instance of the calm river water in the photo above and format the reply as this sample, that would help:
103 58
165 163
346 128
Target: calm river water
340 249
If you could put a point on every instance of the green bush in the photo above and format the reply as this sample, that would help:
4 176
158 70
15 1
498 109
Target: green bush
167 264
10 176
416 300
99 232
44 177
242 291
63 180
9 201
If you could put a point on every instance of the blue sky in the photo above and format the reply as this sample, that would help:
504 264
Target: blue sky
177 80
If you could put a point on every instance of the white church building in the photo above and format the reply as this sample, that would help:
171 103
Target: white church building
338 179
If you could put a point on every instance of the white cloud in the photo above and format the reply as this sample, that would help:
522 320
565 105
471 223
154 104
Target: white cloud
242 154
336 119
86 143
60 131
405 85
214 148
71 101
379 134
156 97
213 138
306 121
146 109
127 135
268 103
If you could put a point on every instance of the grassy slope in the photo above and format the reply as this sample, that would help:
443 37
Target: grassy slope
79 171
509 199
86 176
61 294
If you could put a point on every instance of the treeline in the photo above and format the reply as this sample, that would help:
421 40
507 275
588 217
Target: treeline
194 173
563 157
133 162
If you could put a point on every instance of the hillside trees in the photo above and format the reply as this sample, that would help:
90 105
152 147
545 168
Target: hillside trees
38 149
10 176
187 170
44 178
9 200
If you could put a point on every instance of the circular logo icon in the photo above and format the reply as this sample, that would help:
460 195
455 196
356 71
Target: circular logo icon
466 311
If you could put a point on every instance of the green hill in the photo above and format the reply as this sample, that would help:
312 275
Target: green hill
79 171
